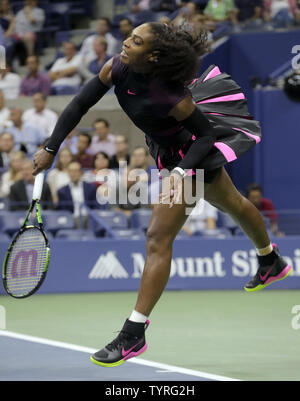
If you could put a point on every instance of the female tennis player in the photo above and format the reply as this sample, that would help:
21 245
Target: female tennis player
189 123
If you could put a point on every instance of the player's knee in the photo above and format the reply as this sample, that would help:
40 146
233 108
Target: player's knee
157 240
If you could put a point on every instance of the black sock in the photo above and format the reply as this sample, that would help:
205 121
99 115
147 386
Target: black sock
267 260
134 328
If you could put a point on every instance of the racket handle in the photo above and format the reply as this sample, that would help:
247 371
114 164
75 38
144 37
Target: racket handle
38 186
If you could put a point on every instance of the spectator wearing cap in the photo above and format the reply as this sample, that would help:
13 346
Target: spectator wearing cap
40 116
35 80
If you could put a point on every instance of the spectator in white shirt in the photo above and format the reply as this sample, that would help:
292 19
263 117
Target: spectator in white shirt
40 116
9 83
4 112
29 20
203 217
64 73
103 29
102 140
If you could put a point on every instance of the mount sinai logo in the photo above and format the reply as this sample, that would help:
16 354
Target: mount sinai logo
108 266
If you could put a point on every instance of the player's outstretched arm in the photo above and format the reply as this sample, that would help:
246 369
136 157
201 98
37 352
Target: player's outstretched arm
92 92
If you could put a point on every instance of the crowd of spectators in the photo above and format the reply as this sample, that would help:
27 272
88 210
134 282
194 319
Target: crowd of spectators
75 64
82 169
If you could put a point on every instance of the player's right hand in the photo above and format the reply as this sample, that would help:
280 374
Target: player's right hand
42 160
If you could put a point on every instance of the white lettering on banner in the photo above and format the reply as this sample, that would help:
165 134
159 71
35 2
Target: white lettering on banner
240 267
186 267
138 264
108 266
244 263
297 263
2 318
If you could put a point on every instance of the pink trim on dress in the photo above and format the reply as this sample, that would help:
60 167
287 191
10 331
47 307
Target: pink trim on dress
160 166
255 137
213 73
228 153
228 98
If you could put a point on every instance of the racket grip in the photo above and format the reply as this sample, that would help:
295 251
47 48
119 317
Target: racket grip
38 186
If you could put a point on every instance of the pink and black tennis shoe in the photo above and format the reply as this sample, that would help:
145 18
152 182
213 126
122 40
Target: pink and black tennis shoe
130 343
272 268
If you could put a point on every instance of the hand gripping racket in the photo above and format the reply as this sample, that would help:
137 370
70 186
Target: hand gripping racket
27 259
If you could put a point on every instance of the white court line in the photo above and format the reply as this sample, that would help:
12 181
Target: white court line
138 361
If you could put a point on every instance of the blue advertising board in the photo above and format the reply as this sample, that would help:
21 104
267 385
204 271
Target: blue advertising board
197 264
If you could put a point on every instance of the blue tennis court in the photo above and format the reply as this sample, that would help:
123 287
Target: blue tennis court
26 358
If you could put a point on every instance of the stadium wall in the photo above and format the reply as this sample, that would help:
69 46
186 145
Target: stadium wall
197 264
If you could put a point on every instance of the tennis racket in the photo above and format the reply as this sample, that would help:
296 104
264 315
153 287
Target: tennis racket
26 261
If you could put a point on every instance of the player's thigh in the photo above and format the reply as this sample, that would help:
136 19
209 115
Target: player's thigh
222 193
166 222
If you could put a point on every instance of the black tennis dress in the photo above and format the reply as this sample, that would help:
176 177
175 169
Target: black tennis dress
220 98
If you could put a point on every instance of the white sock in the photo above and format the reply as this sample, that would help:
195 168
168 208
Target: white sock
138 317
265 251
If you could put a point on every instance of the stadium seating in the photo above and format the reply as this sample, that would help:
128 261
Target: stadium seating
225 221
3 204
11 222
57 220
128 233
140 218
216 233
4 237
81 235
104 221
289 222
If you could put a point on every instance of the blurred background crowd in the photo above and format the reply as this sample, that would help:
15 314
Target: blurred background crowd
28 28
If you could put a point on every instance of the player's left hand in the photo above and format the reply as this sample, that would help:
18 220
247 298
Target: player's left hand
172 190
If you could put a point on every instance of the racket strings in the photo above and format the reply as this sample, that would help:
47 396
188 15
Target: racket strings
26 262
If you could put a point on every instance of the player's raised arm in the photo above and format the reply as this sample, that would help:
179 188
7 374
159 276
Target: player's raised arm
92 92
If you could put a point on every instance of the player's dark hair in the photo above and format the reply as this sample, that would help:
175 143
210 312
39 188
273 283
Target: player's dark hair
178 49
